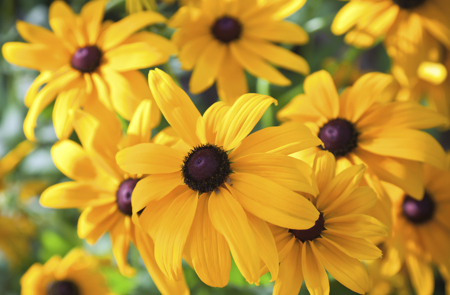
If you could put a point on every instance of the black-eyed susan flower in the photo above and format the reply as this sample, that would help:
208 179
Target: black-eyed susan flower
365 126
13 158
85 59
339 238
368 20
76 274
421 231
218 40
103 190
212 192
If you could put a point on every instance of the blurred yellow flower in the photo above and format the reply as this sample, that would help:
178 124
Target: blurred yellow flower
15 236
399 20
339 238
219 39
85 59
421 231
365 126
13 158
212 192
77 273
103 190
134 6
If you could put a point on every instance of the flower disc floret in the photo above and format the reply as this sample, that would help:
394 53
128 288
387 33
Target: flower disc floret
86 59
123 196
64 287
418 212
205 168
227 29
408 4
310 233
339 136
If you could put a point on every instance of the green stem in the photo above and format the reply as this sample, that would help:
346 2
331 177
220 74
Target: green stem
263 87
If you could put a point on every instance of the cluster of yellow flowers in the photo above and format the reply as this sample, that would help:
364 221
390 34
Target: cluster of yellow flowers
348 177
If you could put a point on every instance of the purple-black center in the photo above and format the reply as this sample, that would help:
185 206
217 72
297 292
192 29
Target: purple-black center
123 196
416 211
86 59
227 29
408 4
63 287
311 233
205 168
339 137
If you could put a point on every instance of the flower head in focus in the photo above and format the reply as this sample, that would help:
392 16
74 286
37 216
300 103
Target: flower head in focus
212 192
85 59
339 238
218 40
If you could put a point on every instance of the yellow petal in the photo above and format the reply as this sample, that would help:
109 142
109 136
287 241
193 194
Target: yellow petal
150 158
193 50
156 42
290 278
171 236
277 55
278 32
241 118
316 279
63 112
207 67
230 220
421 274
405 144
35 34
340 187
154 187
354 247
43 78
165 285
300 109
45 96
121 237
142 123
266 244
213 116
121 30
355 225
74 195
208 249
324 169
133 56
285 139
92 15
361 200
348 271
348 16
177 107
231 81
72 160
322 94
257 66
13 158
283 170
95 221
64 24
272 202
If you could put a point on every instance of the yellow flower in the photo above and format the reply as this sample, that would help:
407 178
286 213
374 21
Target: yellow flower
219 39
103 190
212 192
398 20
421 231
84 60
339 238
13 158
134 6
76 273
16 234
364 126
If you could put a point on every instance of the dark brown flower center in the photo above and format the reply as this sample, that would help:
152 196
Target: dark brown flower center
227 29
408 4
311 233
418 212
205 168
339 137
123 196
86 59
63 287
